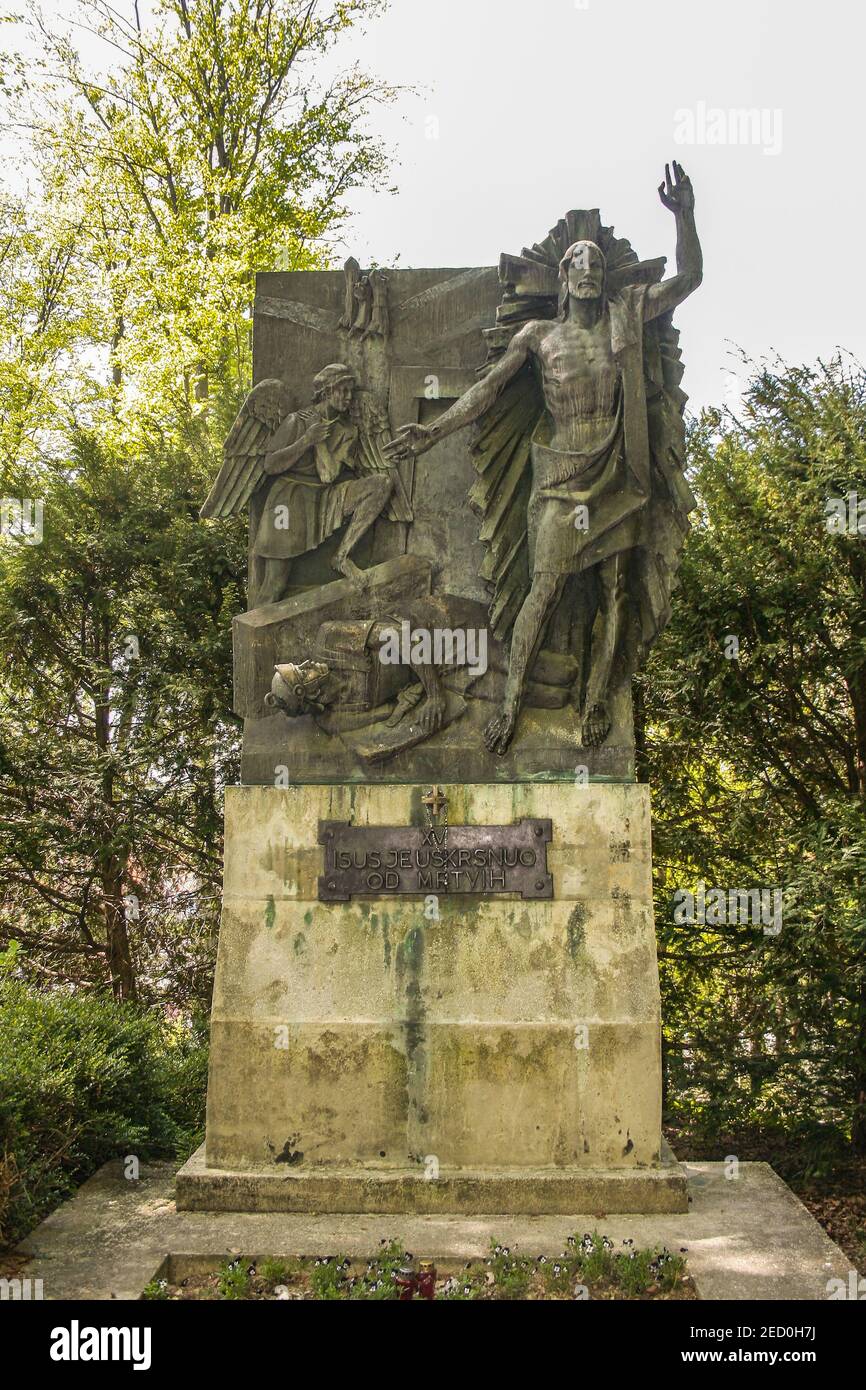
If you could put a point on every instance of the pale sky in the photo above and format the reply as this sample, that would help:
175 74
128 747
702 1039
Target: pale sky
550 105
532 107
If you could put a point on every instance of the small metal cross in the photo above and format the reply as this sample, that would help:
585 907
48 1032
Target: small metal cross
436 800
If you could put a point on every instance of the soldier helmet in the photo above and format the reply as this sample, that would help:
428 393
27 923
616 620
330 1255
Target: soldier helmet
295 687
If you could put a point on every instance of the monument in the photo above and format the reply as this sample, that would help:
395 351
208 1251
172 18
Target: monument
436 985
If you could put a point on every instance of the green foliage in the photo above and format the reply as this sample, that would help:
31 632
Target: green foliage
470 1286
331 1278
328 1279
758 767
669 1269
377 1284
503 1276
234 1280
209 146
83 1080
195 147
114 733
511 1272
274 1272
559 1274
588 1262
632 1271
156 1291
593 1259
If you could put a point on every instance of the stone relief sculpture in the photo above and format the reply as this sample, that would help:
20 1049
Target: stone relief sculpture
575 469
327 468
381 695
345 675
366 304
581 447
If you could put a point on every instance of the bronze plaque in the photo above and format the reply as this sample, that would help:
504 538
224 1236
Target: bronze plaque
375 861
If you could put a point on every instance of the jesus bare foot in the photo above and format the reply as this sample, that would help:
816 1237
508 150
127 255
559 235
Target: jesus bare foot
500 730
596 725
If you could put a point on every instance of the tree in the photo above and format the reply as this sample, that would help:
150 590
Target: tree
209 149
753 708
208 152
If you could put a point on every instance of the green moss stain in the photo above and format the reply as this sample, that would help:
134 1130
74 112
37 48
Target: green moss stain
575 931
623 921
417 809
308 918
410 952
270 912
409 963
299 945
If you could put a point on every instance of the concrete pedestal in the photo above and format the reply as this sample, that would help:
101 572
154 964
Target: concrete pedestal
371 1056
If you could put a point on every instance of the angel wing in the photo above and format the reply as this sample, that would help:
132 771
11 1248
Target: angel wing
370 459
502 448
245 448
372 435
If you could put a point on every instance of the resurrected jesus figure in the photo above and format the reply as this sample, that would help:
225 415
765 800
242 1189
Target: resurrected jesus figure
592 469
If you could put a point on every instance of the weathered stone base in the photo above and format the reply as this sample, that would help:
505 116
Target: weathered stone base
491 1192
747 1239
508 1048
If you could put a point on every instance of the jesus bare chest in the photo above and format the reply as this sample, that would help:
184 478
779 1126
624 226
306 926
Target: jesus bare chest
579 378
